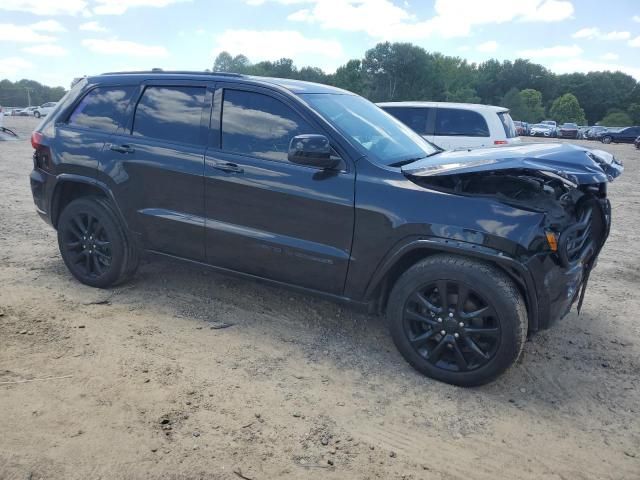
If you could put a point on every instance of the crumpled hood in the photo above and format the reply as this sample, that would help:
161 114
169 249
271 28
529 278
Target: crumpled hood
579 165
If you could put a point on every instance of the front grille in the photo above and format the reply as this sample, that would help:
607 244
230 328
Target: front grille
577 241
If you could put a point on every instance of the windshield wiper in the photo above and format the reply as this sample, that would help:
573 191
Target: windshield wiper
411 160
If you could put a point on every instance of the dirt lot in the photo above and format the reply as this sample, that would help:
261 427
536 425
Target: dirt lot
148 387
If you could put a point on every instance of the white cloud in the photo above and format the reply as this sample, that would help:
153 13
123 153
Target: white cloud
22 34
571 65
595 33
635 42
384 19
275 44
636 18
124 48
46 50
12 67
92 27
48 26
488 47
45 7
610 56
559 51
118 7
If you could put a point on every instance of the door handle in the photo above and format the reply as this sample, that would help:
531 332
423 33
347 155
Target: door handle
122 148
228 167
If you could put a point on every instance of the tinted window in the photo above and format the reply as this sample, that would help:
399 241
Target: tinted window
459 122
170 113
259 125
381 137
508 125
103 108
414 118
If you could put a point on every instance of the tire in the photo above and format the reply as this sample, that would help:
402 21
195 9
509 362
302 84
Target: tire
36 114
498 331
94 244
606 139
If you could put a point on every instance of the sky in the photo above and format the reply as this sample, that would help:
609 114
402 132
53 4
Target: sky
53 41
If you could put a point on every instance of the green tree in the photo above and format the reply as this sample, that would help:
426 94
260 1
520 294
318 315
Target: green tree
350 77
567 109
616 118
532 103
513 101
224 62
634 113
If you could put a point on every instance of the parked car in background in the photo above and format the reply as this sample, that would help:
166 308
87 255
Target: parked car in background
25 112
592 132
44 109
542 130
582 130
311 186
456 125
568 130
637 143
521 127
624 135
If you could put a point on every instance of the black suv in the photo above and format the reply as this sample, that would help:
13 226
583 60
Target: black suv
316 188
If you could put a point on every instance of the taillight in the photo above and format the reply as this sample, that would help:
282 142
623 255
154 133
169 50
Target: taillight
500 142
36 139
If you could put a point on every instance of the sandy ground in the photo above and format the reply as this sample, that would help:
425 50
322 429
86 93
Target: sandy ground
297 387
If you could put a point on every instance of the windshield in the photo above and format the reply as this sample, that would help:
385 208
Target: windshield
379 135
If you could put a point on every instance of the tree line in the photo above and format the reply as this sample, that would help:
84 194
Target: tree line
24 93
403 71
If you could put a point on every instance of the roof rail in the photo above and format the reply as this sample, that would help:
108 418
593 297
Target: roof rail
175 72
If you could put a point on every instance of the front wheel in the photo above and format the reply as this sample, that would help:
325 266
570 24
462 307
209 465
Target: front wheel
94 244
606 139
457 320
36 114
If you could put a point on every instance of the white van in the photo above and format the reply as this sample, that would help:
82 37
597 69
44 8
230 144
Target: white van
456 125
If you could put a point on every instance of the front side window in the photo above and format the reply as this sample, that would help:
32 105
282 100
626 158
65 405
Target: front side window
460 122
413 117
103 108
172 114
376 133
259 125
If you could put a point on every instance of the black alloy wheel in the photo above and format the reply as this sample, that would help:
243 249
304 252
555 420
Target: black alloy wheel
88 244
94 244
457 319
452 326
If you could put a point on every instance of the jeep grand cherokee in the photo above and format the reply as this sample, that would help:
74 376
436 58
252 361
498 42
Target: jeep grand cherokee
316 188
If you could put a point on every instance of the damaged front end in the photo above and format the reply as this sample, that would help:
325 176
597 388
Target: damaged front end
567 183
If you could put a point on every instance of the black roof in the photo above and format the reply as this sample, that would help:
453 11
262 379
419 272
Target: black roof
294 86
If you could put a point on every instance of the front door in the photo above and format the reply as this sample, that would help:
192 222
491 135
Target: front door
264 215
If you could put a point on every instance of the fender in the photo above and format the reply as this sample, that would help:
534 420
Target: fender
63 178
515 269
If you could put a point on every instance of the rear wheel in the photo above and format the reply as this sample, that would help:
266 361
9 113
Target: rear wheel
36 114
606 139
457 320
93 243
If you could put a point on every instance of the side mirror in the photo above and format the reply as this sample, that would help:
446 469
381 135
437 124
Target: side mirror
312 150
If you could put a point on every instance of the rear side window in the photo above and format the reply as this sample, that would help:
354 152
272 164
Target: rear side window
103 108
414 118
507 123
172 114
460 122
259 125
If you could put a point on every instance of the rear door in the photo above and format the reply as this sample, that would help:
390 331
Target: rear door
157 166
460 128
264 215
630 134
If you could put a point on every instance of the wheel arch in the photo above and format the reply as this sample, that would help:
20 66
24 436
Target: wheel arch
408 254
70 187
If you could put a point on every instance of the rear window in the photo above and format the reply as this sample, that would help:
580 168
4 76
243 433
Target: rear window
103 108
507 124
460 122
413 117
172 114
